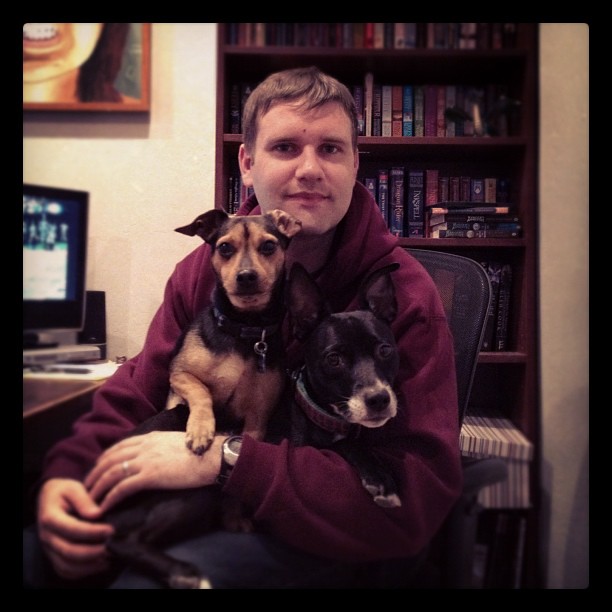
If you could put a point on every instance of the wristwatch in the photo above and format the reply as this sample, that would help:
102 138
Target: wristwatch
230 451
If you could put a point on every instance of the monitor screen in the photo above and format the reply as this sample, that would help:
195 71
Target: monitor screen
54 259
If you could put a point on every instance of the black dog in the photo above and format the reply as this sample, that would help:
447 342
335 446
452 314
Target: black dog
350 365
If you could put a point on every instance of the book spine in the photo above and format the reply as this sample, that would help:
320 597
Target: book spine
419 110
493 270
441 112
451 98
368 102
473 233
431 111
387 110
383 194
416 204
396 208
407 111
490 190
503 309
511 226
358 95
370 185
377 110
235 108
477 190
397 110
458 217
473 210
431 187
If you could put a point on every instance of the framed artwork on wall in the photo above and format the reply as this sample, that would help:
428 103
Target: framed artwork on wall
86 67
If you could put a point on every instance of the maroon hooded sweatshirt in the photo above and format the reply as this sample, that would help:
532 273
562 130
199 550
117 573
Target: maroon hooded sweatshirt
312 499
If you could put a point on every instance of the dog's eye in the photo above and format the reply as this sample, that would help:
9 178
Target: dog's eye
333 359
268 247
385 350
225 249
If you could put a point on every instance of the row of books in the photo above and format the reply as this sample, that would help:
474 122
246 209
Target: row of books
416 203
485 433
370 35
420 110
499 550
433 110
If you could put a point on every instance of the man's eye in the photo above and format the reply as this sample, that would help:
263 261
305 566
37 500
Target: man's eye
268 247
330 149
225 249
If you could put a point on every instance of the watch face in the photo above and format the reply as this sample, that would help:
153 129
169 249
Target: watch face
232 449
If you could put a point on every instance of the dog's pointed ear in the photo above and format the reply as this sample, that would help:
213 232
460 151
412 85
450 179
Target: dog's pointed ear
206 225
305 302
377 293
286 223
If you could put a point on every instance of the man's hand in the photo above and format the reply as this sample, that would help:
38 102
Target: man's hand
74 545
156 460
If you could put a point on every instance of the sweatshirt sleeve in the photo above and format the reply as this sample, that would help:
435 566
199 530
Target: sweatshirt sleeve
315 501
139 388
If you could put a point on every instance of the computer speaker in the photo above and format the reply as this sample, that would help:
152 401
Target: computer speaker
94 328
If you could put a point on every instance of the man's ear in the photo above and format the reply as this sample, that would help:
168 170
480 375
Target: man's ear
245 161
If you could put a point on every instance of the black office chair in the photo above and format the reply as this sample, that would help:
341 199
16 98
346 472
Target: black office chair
466 294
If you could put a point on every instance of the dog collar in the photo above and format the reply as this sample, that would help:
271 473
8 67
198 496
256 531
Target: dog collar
247 332
315 413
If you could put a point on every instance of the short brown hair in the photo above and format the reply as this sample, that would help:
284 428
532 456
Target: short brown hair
310 85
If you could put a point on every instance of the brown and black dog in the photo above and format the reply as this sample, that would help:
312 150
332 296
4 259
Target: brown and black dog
228 362
227 375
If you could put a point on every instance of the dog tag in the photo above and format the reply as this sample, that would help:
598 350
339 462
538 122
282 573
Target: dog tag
261 348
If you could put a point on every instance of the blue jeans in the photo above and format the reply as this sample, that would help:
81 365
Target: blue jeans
233 561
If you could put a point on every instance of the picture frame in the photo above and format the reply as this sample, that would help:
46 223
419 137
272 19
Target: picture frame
114 77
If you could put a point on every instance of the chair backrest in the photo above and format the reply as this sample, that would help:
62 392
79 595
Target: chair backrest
466 294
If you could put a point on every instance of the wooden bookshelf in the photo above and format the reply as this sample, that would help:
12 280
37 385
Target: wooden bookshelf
508 380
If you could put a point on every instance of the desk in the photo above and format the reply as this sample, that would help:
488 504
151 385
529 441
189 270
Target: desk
50 407
40 394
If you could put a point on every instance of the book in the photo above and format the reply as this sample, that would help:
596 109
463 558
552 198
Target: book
445 208
451 100
463 217
493 270
477 190
431 187
430 111
386 110
441 111
419 110
397 109
473 233
416 204
396 201
490 190
512 227
358 96
377 110
235 108
383 193
408 111
368 102
503 308
370 185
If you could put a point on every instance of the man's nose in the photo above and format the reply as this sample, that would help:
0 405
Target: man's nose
309 166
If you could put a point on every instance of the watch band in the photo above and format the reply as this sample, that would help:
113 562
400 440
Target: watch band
230 451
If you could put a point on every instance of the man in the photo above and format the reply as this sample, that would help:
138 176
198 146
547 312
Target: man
314 523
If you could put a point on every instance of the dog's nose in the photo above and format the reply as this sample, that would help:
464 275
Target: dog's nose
377 402
247 277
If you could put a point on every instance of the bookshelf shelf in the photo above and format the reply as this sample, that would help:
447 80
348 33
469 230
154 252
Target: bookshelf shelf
505 380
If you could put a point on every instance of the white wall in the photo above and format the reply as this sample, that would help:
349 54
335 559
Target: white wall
564 302
147 176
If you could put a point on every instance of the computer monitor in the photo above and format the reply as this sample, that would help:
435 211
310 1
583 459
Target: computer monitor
54 262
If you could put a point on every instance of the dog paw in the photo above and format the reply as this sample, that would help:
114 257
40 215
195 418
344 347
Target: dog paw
198 443
390 500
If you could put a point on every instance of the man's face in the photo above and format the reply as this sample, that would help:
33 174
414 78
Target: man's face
303 163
